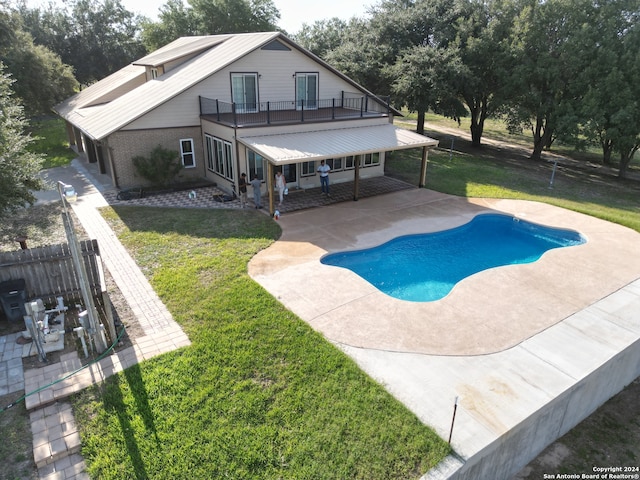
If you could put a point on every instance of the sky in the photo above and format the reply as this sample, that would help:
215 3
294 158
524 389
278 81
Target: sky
293 13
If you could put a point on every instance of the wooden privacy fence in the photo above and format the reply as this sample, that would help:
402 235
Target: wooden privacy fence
49 272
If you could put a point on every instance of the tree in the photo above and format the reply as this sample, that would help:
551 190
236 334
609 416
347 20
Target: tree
96 37
545 64
175 21
422 81
19 168
41 78
209 17
323 36
481 36
609 109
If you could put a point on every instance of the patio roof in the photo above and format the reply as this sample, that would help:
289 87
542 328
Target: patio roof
285 148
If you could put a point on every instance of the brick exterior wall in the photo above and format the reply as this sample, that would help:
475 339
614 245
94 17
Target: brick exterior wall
126 144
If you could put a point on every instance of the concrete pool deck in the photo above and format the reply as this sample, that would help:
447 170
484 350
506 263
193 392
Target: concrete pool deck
530 350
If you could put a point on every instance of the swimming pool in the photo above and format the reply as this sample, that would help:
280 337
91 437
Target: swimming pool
426 267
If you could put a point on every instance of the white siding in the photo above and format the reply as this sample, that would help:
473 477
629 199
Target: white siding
276 82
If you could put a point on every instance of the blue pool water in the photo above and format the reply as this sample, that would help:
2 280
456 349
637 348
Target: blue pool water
426 267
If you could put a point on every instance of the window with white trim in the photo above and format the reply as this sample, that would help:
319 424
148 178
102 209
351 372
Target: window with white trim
306 91
187 153
372 159
219 156
335 164
256 165
244 91
349 162
307 169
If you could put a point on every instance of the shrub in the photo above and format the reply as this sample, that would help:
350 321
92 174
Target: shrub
160 168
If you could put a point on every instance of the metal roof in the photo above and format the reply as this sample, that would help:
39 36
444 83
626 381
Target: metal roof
122 98
286 148
102 121
179 48
93 93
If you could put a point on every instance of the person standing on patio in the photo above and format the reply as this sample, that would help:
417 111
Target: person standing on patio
242 186
324 170
281 184
256 184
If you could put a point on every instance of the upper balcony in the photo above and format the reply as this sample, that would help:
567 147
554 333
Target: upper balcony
348 106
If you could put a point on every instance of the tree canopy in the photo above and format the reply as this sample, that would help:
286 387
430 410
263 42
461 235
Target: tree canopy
19 168
209 17
40 77
563 69
96 37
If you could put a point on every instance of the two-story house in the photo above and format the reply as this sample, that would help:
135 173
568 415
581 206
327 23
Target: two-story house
253 103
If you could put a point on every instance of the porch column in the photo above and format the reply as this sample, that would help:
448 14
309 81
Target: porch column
423 168
269 182
70 134
356 178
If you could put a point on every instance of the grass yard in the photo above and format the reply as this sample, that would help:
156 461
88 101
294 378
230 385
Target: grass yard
491 175
50 140
259 394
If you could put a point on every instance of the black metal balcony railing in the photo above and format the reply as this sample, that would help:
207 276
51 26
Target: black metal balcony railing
292 111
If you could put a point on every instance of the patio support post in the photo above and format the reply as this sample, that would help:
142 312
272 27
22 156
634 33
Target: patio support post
356 178
269 182
423 168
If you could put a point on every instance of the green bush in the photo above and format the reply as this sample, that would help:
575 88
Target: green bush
160 168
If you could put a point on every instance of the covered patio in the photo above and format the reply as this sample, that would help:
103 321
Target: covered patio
311 146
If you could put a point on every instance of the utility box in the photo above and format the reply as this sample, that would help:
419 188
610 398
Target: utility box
13 296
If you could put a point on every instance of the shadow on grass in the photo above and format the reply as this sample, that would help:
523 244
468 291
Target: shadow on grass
215 223
117 406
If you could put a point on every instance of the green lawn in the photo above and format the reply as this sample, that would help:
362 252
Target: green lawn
482 176
259 394
50 139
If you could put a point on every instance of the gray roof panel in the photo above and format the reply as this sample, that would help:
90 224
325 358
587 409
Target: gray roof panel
286 148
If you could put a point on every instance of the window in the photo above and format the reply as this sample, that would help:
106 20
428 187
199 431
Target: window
186 152
349 162
371 159
256 165
307 169
289 172
228 161
244 91
154 73
219 156
335 164
306 91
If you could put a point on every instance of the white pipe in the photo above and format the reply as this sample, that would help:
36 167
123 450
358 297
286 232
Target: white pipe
45 328
104 338
59 308
80 332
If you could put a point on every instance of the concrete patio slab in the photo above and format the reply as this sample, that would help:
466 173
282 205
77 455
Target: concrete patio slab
529 350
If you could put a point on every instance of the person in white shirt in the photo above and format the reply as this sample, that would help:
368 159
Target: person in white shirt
281 184
324 170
